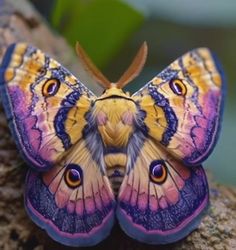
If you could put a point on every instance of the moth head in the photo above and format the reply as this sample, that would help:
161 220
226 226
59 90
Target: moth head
132 72
113 90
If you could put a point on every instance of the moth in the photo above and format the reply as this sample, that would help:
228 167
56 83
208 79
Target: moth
97 159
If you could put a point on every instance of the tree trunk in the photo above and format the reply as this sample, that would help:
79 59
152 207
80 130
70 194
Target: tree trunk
20 22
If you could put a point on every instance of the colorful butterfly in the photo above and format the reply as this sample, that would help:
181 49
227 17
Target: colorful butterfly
135 157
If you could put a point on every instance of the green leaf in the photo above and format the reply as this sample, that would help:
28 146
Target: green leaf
101 26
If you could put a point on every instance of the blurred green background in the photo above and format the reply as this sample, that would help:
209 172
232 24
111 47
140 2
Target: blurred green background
111 31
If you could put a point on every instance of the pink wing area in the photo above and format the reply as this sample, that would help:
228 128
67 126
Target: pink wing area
183 105
41 99
161 201
73 201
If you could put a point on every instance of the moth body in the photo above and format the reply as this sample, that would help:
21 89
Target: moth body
115 114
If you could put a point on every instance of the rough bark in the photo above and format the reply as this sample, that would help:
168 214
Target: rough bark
20 22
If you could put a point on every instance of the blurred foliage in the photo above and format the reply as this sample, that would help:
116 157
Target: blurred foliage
206 13
101 26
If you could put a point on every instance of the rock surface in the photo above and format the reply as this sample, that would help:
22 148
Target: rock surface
20 22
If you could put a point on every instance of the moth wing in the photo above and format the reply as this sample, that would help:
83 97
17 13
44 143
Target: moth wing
45 104
183 105
73 201
160 200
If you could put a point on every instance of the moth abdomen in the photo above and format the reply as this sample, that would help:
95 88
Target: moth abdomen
115 168
116 175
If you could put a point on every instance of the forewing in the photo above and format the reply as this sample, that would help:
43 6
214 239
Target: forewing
73 201
45 104
183 106
160 200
